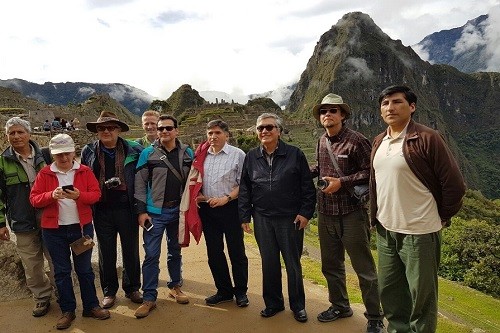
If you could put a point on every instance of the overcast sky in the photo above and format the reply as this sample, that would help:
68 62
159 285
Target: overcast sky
239 47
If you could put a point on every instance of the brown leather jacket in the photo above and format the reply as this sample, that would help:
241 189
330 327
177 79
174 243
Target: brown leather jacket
430 159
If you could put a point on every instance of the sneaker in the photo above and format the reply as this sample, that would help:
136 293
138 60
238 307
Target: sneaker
178 295
375 326
97 313
145 308
65 320
333 314
242 300
217 299
41 308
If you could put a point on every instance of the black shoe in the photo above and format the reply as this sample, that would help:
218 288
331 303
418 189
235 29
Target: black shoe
300 316
242 301
269 312
375 326
217 299
333 314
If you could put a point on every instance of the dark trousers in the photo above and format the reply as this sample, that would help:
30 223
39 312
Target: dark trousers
218 223
351 236
109 223
277 235
57 242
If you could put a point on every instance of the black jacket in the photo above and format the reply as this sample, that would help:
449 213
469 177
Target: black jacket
283 189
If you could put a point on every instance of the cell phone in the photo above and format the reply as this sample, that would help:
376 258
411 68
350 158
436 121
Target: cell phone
148 225
65 188
297 225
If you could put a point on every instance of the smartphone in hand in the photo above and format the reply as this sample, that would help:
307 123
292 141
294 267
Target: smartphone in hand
65 188
148 225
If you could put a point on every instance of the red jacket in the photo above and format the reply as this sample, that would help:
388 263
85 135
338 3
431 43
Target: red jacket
45 183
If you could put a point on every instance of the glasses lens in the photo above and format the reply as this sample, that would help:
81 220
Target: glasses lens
103 128
268 128
332 110
168 128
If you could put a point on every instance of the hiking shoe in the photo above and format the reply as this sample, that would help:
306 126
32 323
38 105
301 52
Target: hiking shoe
65 320
242 300
217 299
41 308
178 295
135 297
145 308
97 313
333 314
375 326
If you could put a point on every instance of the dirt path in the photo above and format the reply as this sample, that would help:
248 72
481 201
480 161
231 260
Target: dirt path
15 316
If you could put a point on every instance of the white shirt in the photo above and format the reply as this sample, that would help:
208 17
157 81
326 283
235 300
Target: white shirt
68 213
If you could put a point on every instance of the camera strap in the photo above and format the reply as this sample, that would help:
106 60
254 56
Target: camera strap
335 164
172 168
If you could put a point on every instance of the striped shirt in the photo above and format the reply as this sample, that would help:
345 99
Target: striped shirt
222 171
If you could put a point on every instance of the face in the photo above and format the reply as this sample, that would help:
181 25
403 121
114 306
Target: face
330 115
166 131
64 161
217 137
108 133
149 125
267 131
396 111
18 137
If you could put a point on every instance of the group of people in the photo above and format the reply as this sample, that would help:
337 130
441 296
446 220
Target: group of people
61 124
158 183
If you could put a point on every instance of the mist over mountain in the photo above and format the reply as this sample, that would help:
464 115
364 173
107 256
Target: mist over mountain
134 99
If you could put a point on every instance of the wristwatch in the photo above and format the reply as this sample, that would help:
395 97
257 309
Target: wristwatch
229 198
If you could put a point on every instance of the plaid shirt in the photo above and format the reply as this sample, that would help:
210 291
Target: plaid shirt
352 151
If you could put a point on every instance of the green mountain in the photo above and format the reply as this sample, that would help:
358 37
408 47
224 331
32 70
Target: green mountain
357 60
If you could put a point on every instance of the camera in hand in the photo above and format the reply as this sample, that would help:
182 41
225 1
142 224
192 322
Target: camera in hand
112 182
322 184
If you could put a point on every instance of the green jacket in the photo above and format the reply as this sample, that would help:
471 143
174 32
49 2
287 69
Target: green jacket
15 207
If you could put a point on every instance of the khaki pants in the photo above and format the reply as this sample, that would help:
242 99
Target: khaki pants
32 252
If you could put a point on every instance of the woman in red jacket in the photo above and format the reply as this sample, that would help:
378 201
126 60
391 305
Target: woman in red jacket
66 191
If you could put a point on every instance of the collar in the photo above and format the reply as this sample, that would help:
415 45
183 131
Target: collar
223 150
337 137
31 155
264 152
400 136
54 168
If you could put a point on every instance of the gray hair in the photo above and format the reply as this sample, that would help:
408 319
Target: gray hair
277 119
17 121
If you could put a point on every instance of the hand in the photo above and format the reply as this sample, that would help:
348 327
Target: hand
71 194
141 219
333 186
200 198
302 221
4 233
58 193
217 202
246 228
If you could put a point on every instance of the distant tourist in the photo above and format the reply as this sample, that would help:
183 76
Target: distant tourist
415 189
75 123
19 164
149 122
67 218
342 162
46 125
56 124
113 161
277 191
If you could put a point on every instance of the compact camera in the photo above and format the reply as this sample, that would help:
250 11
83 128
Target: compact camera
322 184
112 182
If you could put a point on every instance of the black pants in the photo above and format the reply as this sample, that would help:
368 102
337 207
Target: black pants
217 223
110 222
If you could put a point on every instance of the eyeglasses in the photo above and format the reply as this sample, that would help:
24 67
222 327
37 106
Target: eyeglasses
110 128
268 128
325 110
168 128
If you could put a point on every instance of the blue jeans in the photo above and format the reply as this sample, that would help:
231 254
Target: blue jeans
168 223
277 235
57 242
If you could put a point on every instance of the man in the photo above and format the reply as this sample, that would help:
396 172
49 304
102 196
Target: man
161 175
113 161
219 214
276 189
19 164
149 121
415 189
342 220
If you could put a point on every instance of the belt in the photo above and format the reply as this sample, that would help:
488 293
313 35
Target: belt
170 204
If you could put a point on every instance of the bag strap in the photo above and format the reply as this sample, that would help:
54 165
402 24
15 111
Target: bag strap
171 167
335 164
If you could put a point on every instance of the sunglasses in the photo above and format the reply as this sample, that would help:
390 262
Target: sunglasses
325 111
268 128
103 128
168 128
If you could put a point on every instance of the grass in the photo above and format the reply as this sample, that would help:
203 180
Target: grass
462 309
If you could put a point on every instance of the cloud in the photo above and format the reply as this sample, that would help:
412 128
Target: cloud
472 38
421 50
358 69
492 35
172 17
